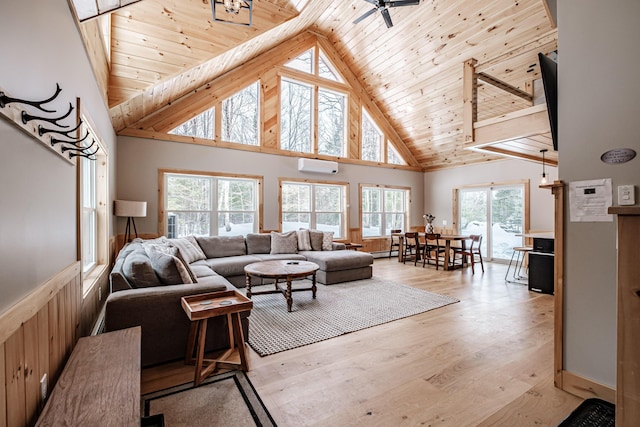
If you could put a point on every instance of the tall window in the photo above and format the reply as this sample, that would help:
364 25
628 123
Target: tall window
93 230
208 205
313 112
313 205
331 122
240 118
201 126
296 104
372 139
383 209
89 214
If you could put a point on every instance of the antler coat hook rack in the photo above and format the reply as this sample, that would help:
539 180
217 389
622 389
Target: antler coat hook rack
22 118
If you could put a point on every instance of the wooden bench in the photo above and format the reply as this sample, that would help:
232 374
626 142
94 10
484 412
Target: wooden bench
100 384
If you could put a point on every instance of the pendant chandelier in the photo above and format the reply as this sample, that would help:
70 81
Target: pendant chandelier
239 12
543 181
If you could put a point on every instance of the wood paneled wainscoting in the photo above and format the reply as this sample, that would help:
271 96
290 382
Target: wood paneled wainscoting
37 336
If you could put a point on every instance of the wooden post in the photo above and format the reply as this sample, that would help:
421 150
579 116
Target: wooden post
469 99
628 358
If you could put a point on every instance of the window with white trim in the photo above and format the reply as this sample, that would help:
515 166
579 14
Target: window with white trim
93 230
89 233
383 209
316 206
210 205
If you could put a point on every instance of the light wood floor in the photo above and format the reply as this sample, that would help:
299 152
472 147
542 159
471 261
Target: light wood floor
486 360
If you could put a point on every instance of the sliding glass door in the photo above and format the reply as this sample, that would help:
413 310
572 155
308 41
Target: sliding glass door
496 212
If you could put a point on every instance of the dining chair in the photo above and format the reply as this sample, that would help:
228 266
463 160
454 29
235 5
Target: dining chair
395 241
411 247
470 255
432 250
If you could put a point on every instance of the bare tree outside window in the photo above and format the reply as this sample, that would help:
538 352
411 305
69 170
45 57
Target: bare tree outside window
331 122
210 205
371 212
383 210
372 139
317 206
392 155
326 70
201 126
295 116
304 62
240 116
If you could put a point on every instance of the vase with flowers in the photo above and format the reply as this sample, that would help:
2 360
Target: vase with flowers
428 219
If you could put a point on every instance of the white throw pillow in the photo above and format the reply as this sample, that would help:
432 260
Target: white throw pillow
304 240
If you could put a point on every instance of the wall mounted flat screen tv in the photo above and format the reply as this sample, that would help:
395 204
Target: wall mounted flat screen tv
549 69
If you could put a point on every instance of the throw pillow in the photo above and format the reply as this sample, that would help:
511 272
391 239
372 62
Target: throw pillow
170 270
222 246
316 239
284 243
187 268
327 241
189 249
137 269
258 243
304 240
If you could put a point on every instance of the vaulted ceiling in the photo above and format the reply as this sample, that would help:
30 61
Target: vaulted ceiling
161 50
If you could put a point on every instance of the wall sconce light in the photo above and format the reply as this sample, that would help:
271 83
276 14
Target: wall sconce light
543 181
131 210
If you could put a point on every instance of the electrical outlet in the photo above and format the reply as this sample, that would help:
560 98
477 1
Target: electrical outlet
100 293
43 387
626 195
444 222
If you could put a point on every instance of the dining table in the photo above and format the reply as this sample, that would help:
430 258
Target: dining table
448 238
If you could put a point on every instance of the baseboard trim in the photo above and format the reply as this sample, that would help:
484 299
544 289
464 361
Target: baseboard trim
586 388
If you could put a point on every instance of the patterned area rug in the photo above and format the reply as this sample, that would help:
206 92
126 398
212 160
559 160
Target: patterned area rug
223 400
337 310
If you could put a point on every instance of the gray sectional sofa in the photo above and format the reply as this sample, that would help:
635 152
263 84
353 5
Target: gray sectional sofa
150 276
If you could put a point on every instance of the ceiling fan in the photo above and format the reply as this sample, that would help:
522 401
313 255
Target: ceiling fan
383 6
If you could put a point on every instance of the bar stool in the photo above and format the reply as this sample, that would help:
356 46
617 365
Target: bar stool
519 252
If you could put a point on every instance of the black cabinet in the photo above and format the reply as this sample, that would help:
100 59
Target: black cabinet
541 272
541 260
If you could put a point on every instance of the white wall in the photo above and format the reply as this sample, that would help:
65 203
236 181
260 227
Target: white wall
598 110
438 187
40 47
139 160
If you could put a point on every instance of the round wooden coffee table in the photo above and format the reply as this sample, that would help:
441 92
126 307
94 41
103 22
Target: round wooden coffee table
282 270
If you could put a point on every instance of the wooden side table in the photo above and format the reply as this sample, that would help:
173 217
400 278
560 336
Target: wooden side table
200 308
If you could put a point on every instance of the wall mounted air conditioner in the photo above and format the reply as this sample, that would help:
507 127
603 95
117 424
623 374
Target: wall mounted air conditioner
317 166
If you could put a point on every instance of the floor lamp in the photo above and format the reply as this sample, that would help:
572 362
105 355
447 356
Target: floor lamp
131 210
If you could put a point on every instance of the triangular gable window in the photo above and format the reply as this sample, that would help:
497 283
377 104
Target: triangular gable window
304 62
327 70
201 126
393 157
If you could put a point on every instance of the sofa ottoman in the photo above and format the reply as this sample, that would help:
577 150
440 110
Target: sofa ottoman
340 265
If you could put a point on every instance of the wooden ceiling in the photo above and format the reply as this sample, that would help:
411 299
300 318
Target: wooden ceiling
161 50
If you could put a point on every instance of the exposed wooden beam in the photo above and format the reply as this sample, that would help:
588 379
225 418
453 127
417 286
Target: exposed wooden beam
469 99
505 86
